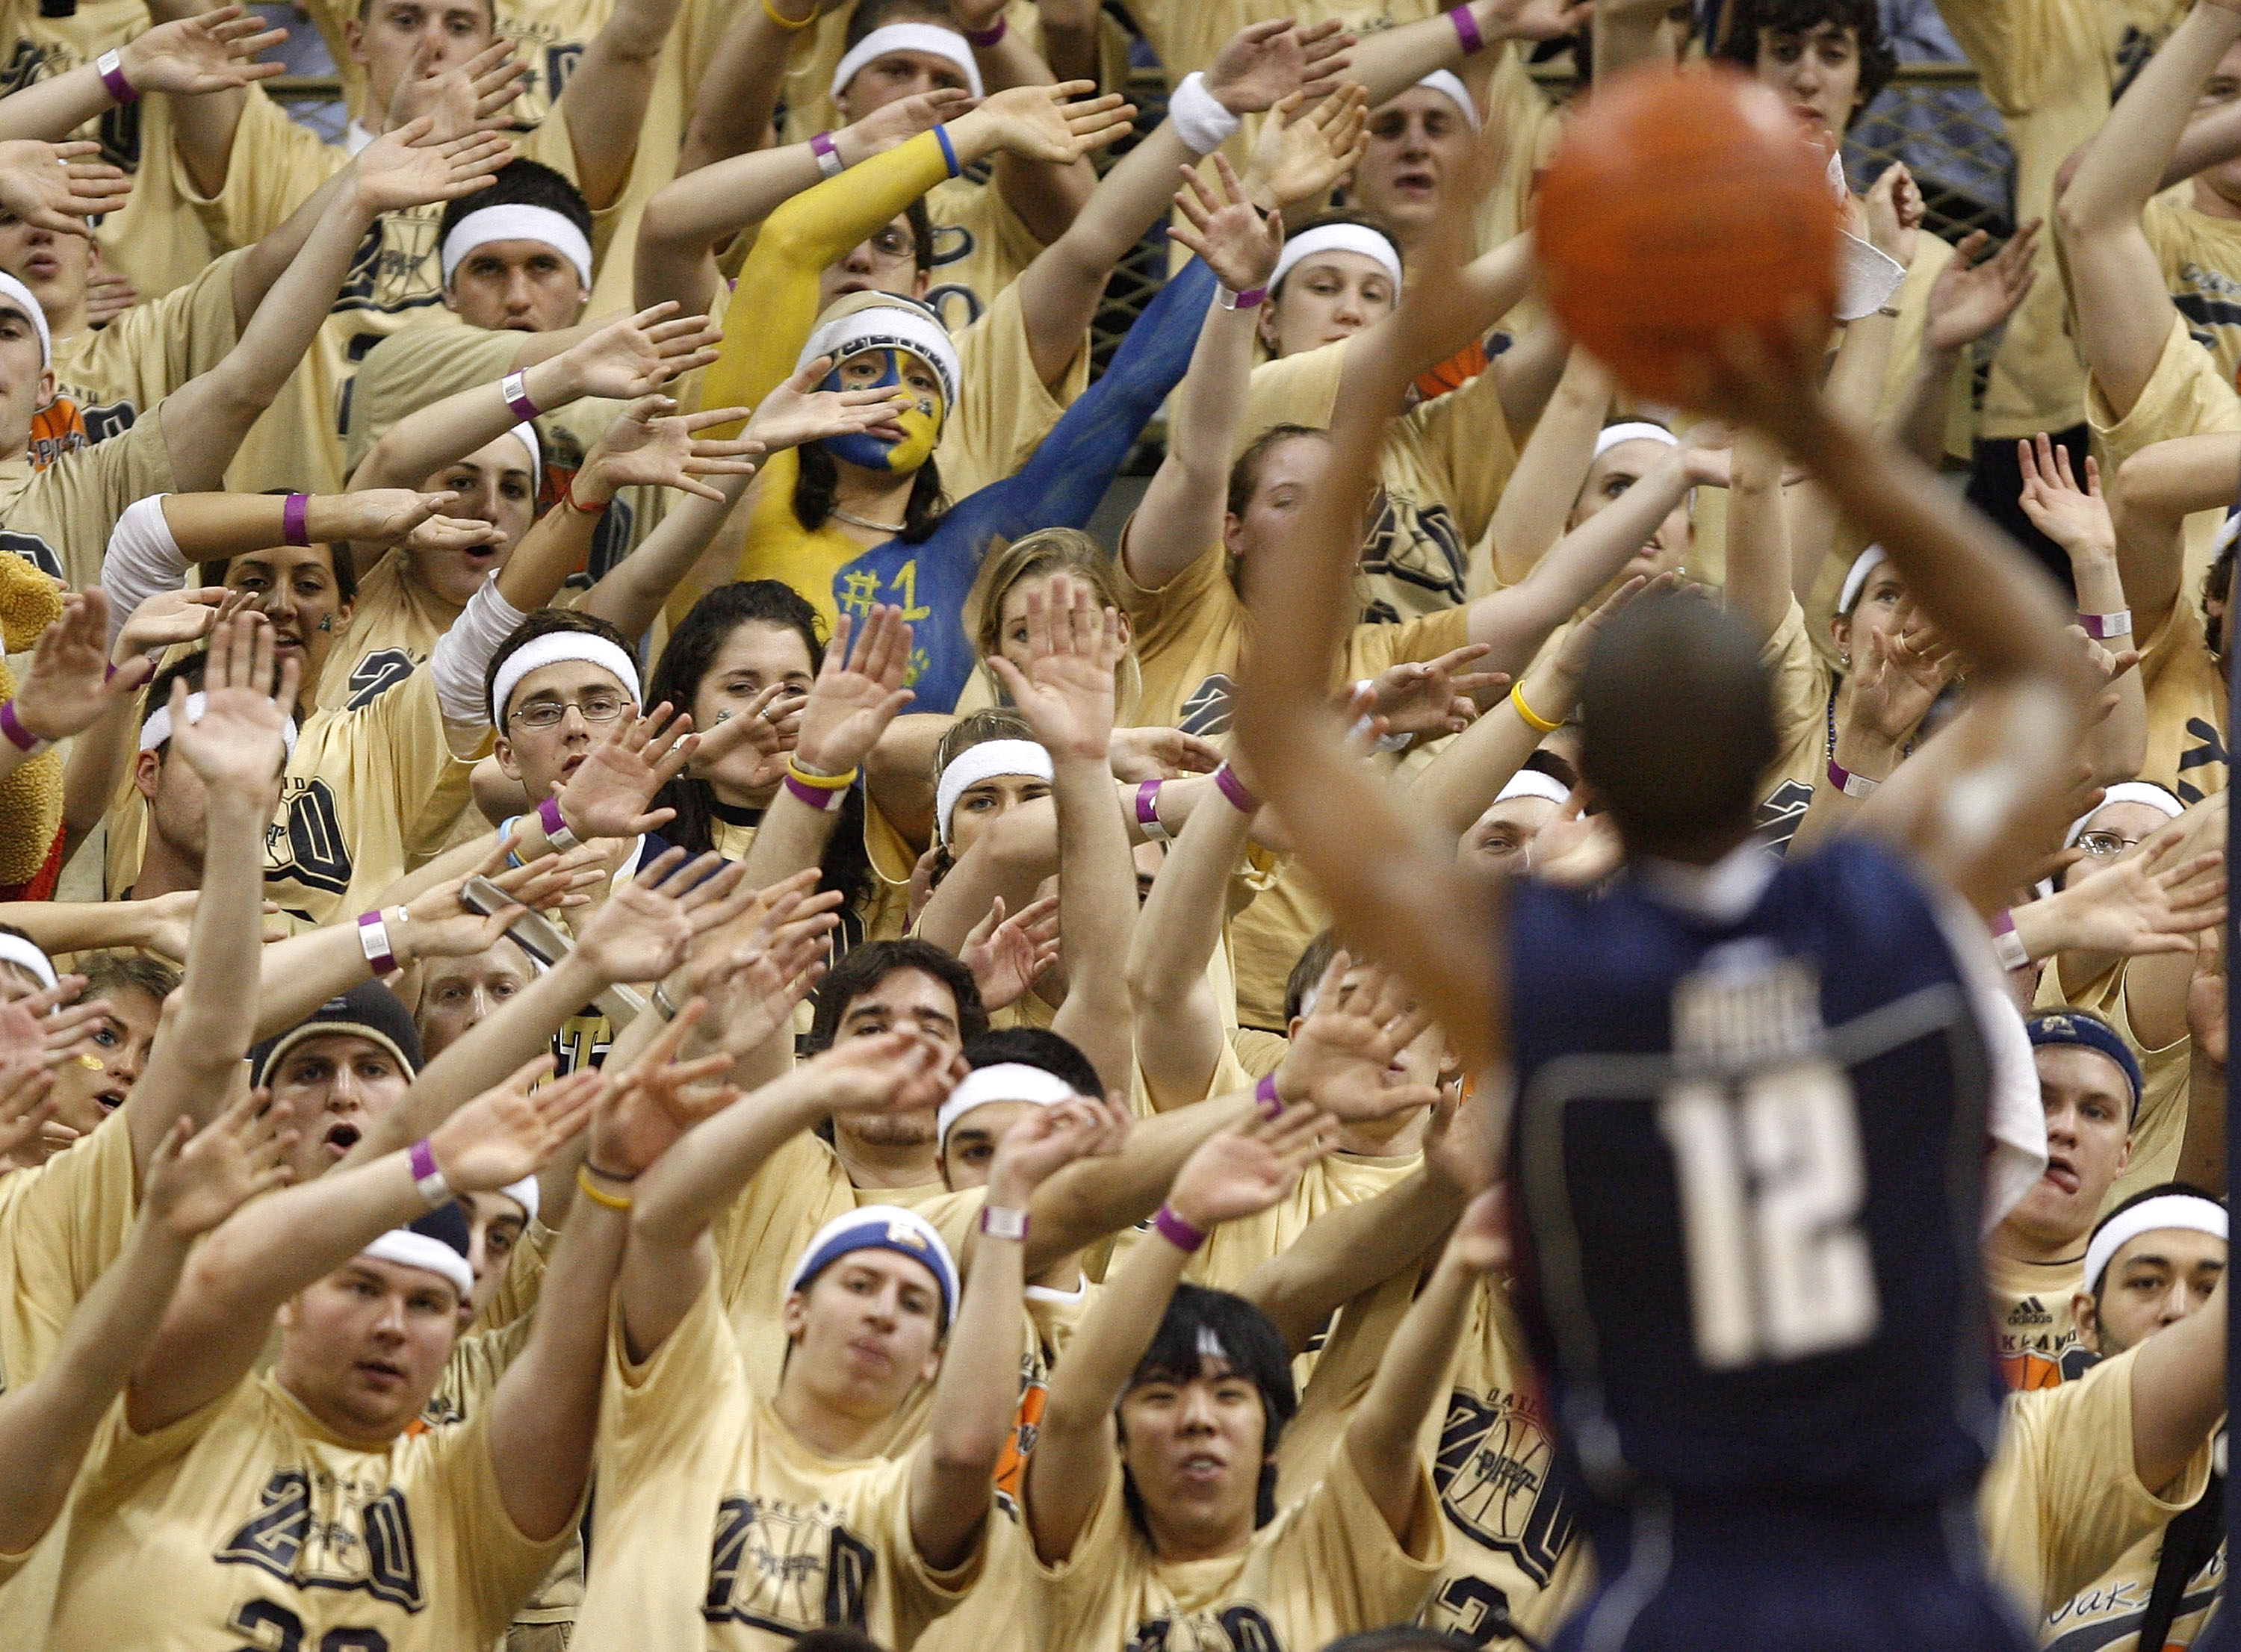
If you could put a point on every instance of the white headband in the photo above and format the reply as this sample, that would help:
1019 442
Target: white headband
523 1193
910 37
1632 431
14 949
1337 238
1531 783
2170 1210
1450 84
526 433
408 1249
20 295
982 762
550 650
517 221
1857 578
2146 792
1001 1082
158 729
900 325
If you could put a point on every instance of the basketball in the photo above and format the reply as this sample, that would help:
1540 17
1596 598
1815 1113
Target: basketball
1677 207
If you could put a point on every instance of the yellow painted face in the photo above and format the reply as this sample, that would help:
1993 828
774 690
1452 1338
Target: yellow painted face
908 443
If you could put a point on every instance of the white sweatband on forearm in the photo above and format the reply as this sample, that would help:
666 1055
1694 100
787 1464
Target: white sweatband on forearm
462 654
1199 118
143 561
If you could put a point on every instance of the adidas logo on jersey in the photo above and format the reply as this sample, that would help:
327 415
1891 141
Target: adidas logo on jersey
2030 1311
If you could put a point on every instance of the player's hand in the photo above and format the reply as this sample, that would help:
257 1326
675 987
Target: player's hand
1008 955
198 1178
512 1130
215 52
1265 63
238 744
859 691
1250 1168
408 167
638 354
68 688
1345 1057
1044 1140
798 412
1067 691
1059 125
1974 294
642 1113
608 795
60 198
1236 239
651 444
1301 157
2075 517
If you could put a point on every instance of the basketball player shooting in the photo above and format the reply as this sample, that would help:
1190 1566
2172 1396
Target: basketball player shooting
1747 1152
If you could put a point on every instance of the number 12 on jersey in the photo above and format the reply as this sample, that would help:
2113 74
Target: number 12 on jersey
1770 1184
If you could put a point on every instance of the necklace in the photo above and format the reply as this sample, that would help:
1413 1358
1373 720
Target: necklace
866 522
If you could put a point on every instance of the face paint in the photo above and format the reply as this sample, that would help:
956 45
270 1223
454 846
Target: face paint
920 423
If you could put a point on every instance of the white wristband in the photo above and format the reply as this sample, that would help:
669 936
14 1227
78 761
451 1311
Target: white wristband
1199 118
2006 944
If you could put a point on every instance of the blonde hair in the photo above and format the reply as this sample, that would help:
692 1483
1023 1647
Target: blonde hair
1049 551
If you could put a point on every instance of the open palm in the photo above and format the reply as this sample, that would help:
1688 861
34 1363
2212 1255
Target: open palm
1066 692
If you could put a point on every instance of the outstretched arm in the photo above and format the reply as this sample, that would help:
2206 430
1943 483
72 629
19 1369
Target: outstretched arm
1178 1025
604 101
1538 500
200 55
2178 1392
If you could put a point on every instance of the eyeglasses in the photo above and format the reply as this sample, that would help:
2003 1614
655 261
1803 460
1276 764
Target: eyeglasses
544 714
2103 845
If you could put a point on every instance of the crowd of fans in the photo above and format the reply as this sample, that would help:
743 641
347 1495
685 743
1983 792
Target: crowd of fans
647 1002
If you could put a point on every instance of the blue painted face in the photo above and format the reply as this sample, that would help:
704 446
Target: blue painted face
919 425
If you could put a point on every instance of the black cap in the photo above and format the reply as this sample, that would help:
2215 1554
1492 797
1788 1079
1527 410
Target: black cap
369 1011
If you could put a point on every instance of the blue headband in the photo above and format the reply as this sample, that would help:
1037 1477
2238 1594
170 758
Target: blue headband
881 1228
2084 1030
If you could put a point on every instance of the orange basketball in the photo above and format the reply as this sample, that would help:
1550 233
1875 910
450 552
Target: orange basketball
1678 207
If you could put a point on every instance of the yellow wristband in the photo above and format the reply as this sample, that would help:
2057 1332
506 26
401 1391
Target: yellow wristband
820 782
612 1201
1533 718
788 22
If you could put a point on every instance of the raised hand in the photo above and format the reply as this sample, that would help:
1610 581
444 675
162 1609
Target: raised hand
237 744
198 1178
1342 1058
1299 157
26 1105
607 795
640 354
461 99
1534 19
1066 693
1264 63
386 515
1974 294
2075 517
651 444
67 689
1435 697
1058 124
1246 1170
512 1129
1236 239
897 123
170 618
2205 997
747 748
1480 1242
108 295
797 411
214 52
438 924
1159 754
642 1113
451 533
58 198
752 982
1894 210
2155 901
643 930
1007 955
1044 1140
407 166
857 692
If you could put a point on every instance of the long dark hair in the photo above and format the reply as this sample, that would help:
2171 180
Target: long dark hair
692 649
817 486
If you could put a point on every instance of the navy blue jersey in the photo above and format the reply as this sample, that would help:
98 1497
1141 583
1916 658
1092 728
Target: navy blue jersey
1749 1159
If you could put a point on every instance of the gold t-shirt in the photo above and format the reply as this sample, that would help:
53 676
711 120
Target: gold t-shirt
248 1522
59 518
687 1448
112 376
2105 1614
2186 706
2159 1131
1801 682
62 1224
2201 259
2030 1316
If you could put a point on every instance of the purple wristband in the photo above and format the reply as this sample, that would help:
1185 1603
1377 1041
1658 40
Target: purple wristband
988 39
824 799
1467 30
111 65
1176 1231
515 389
829 164
2101 628
948 150
1226 780
557 834
1851 785
427 1177
384 961
423 1159
1265 1096
296 519
19 737
1147 811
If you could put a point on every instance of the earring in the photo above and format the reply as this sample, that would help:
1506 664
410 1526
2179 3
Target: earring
1845 660
328 623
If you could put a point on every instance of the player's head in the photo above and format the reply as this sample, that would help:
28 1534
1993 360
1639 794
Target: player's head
2153 1260
877 341
1416 141
385 34
987 765
2129 813
558 686
904 986
1624 453
1014 1071
898 49
363 1349
517 255
308 591
1499 839
1268 482
2088 1088
93 1083
497 483
176 802
867 1305
1340 273
27 378
1828 57
496 1219
338 1069
458 994
1677 725
1199 1421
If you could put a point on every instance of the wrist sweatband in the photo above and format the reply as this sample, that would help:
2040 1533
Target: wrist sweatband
1467 30
556 830
296 519
374 937
1200 120
1251 298
429 1180
948 150
2101 628
515 389
1177 1232
1147 813
828 155
988 39
1265 1096
1851 785
111 63
2006 944
998 1222
19 737
1227 783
